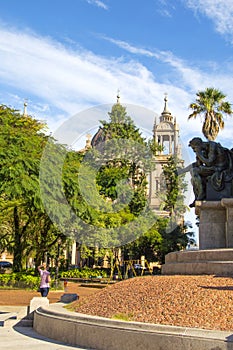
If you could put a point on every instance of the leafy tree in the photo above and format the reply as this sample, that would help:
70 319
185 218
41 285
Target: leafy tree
147 244
30 232
120 125
175 239
175 187
176 233
125 160
155 147
26 229
21 139
42 241
118 168
106 186
210 104
29 229
6 236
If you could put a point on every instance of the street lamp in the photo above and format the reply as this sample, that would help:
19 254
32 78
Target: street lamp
57 262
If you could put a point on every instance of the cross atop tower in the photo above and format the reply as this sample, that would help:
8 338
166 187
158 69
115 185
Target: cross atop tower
25 108
118 96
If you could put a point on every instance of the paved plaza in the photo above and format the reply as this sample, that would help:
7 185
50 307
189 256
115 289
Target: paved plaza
16 337
25 338
13 337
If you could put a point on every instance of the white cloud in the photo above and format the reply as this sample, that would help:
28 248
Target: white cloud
219 11
187 81
165 8
98 3
72 80
187 75
63 82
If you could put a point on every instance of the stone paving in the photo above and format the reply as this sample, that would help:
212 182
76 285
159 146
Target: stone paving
14 337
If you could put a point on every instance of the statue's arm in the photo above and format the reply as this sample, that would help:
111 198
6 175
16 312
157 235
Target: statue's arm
186 169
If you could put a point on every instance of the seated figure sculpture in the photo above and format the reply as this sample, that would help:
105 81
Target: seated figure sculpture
214 164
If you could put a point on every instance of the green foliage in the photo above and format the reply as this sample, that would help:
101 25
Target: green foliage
108 178
147 244
210 104
174 239
106 186
175 188
19 280
114 197
121 126
21 144
159 241
125 165
83 273
155 147
25 229
21 141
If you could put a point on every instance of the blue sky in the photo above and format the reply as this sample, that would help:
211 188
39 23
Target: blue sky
65 56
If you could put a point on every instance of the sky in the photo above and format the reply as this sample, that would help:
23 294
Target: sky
67 56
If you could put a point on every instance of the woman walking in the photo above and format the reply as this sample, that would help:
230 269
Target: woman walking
44 279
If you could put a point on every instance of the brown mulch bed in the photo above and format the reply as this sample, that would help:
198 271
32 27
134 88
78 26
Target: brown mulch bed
191 301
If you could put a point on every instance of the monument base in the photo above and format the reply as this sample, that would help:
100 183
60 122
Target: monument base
199 262
215 243
215 223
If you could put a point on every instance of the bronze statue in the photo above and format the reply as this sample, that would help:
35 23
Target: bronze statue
214 164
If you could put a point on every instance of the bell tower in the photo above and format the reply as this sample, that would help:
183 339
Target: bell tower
166 134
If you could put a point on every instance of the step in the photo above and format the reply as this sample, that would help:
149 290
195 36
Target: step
200 255
25 322
219 268
7 316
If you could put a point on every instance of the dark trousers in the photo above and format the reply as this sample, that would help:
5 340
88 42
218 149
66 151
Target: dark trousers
44 291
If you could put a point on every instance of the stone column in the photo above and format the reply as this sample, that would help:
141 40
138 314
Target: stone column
170 144
228 204
212 224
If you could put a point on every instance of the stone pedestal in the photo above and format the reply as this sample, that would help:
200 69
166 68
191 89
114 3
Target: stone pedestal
212 224
227 203
215 243
200 262
216 223
37 302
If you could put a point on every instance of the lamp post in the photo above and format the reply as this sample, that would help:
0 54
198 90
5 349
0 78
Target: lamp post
57 262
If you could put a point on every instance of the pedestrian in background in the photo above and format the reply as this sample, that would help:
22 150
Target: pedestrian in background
44 279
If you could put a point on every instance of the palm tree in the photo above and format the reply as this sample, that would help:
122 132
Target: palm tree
210 104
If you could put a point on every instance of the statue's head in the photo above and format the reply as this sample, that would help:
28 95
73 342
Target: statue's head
196 141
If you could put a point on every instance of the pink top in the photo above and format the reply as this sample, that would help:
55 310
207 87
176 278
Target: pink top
44 278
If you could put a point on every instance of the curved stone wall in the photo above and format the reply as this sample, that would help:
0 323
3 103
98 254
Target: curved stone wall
105 334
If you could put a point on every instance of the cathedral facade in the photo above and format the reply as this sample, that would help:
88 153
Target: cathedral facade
165 134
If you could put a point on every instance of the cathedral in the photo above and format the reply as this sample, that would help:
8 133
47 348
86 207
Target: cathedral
166 134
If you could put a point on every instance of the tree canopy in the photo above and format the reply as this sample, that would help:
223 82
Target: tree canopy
104 187
28 231
211 104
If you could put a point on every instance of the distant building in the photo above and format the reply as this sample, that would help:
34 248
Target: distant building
166 134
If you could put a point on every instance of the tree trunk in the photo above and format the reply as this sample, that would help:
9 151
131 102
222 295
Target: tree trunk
17 251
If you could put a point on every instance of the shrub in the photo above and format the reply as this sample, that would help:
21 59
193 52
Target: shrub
19 280
85 272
